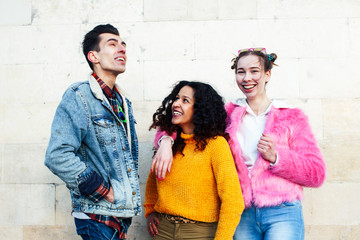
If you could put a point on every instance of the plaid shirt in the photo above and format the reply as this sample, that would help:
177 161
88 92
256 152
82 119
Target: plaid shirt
121 225
100 192
115 102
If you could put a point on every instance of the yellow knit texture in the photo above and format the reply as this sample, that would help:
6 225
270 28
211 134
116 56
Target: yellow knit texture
202 186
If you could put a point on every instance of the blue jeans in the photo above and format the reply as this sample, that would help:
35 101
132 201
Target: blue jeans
284 222
90 229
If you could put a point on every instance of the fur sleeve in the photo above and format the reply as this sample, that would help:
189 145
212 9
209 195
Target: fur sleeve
160 134
300 161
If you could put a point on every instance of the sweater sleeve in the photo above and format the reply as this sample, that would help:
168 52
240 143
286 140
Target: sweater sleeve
300 161
151 194
228 187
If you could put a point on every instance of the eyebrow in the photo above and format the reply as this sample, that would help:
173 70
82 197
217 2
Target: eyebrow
250 68
184 96
187 97
114 39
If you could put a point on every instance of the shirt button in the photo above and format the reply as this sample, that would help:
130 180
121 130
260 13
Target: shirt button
124 148
134 193
129 169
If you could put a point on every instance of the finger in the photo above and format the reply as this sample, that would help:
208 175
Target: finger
160 170
265 139
262 146
157 165
163 172
153 228
266 143
169 167
263 142
262 150
153 164
156 221
149 228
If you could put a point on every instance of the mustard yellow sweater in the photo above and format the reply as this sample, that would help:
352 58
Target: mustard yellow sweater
202 186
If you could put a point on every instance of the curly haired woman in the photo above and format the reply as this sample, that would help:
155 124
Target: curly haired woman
201 198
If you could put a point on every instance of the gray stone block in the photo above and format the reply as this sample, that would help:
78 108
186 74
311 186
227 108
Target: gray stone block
24 163
27 204
15 12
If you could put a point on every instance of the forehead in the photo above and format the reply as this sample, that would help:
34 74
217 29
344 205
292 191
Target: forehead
249 61
186 91
104 37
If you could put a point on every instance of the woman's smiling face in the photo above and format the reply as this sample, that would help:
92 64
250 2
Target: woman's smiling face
250 76
183 110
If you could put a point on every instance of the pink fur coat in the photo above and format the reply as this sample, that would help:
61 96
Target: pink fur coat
300 160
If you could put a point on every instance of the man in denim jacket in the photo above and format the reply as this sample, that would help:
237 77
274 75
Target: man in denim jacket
93 146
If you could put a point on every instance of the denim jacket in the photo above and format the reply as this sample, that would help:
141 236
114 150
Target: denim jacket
88 138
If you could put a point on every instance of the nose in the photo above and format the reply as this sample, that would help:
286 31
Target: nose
176 103
247 77
122 48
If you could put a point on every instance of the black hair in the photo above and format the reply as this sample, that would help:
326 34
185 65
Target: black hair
267 60
92 39
209 115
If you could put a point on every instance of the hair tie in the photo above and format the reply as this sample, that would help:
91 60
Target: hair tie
271 57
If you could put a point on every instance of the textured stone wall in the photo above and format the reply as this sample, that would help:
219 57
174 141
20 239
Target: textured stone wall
317 42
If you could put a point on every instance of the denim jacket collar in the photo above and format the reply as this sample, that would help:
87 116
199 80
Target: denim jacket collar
98 93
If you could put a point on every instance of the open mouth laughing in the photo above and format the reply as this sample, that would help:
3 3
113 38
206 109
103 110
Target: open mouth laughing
176 113
121 59
249 86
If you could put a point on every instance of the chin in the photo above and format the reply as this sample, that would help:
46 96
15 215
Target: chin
117 72
122 70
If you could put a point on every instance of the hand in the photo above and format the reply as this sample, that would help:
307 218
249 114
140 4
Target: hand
163 159
152 222
266 148
110 196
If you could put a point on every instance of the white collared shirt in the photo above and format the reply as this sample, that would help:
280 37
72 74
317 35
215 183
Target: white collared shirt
251 129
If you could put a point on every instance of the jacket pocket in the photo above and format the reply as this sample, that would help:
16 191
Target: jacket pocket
105 130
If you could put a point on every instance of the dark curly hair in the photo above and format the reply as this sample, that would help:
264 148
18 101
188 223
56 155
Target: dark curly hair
267 60
209 115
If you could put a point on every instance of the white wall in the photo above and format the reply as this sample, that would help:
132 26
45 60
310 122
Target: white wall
317 43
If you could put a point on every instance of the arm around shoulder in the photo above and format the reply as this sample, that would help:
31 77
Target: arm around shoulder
164 156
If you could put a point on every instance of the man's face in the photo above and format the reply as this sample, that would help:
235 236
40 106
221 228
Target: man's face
111 57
